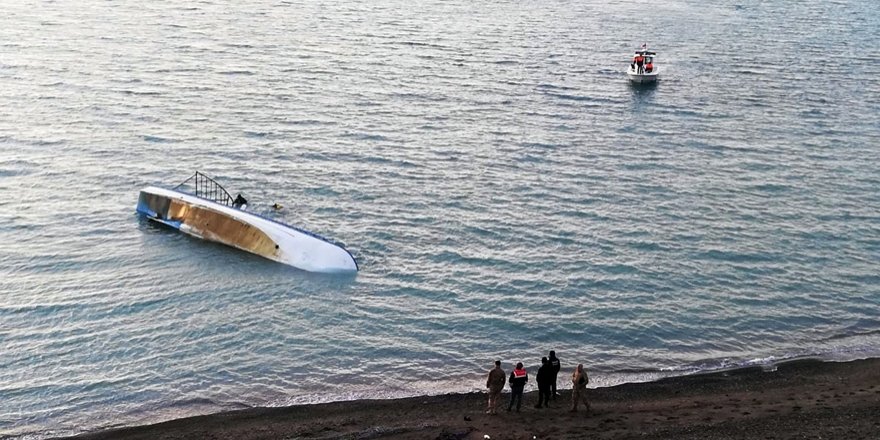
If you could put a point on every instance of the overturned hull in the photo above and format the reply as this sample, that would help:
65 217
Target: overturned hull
244 230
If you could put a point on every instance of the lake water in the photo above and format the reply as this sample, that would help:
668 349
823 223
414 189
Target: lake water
504 189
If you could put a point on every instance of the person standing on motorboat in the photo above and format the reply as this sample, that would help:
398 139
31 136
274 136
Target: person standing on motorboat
640 63
649 64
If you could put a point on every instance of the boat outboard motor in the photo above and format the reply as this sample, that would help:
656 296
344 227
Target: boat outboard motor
239 202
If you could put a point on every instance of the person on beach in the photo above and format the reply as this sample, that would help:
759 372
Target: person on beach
495 383
579 381
554 367
545 374
518 378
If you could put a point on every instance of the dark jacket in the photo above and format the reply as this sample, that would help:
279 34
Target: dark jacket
555 365
545 375
518 379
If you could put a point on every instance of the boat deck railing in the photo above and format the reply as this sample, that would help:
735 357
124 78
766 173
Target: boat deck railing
205 187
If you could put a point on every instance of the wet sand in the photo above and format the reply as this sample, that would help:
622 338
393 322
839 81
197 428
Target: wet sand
800 399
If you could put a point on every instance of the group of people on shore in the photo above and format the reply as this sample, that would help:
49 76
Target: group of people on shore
546 379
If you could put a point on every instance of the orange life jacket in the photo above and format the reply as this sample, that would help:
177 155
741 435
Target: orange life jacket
519 373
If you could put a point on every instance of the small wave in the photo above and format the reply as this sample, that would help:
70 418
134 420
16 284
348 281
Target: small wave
48 142
256 134
553 87
721 148
323 191
647 246
158 139
194 402
140 93
236 72
39 309
127 81
732 256
853 334
770 188
318 156
307 122
867 279
618 269
184 70
418 44
542 146
505 62
10 170
365 136
582 214
198 89
418 96
455 257
568 96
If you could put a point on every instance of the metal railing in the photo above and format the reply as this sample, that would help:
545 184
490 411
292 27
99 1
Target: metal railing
206 188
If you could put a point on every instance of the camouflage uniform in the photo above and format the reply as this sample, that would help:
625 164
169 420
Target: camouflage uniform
495 383
579 381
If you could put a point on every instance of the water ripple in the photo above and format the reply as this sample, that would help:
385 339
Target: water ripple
504 189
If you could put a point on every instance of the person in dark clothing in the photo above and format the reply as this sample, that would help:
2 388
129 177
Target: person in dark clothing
239 202
554 367
518 378
545 374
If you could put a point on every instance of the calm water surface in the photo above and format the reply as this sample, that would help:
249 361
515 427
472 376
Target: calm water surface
504 189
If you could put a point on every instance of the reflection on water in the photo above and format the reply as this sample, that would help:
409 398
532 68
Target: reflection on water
504 187
642 93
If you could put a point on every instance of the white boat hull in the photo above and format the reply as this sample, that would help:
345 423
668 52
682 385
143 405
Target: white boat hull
243 230
640 78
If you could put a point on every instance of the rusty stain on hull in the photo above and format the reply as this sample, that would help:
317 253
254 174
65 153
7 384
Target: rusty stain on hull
247 231
211 225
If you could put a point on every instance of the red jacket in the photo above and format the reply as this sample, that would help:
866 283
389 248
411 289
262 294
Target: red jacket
518 378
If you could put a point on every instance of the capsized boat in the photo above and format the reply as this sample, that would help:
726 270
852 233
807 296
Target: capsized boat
642 69
208 212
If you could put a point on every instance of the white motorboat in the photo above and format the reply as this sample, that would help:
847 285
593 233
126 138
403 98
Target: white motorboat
208 212
642 68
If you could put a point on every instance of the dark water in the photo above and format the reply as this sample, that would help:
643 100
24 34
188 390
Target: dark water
504 189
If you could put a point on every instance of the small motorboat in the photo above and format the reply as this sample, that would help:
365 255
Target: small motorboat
642 68
200 207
